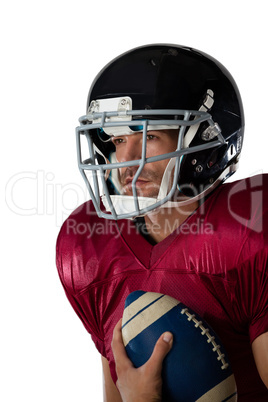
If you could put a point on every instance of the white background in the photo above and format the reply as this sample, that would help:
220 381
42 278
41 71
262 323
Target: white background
50 53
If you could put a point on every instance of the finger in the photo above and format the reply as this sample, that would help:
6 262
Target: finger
161 349
118 348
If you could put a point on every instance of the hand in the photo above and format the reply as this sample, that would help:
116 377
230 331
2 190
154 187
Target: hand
143 384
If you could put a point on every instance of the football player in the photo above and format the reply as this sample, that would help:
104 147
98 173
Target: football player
163 130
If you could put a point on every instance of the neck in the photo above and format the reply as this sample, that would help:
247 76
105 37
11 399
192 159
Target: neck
164 221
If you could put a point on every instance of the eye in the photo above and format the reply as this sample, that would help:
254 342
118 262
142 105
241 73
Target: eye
117 141
151 137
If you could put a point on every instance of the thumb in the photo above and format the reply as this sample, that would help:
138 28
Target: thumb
161 349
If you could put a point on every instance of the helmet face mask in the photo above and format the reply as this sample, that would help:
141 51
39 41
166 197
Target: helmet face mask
209 129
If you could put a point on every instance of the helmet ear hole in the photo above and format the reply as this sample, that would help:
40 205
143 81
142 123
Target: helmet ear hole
200 170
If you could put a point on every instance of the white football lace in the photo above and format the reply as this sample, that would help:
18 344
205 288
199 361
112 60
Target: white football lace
211 339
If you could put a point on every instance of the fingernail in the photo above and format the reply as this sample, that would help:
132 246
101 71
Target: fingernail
167 337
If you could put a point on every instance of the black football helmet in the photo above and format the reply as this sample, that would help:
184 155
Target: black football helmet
158 87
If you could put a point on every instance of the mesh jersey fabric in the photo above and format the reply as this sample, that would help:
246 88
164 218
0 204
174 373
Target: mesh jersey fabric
215 263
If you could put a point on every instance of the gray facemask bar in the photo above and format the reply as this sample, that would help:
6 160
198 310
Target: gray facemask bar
91 164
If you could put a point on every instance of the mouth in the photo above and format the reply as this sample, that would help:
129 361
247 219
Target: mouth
127 188
129 180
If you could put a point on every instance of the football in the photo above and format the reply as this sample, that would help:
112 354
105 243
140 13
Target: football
197 367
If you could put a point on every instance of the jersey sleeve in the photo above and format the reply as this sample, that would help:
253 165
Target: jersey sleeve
251 294
259 301
251 267
82 300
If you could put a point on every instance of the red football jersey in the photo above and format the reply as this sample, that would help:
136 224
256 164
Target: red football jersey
215 263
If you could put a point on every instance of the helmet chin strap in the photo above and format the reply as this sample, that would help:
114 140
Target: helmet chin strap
189 200
125 204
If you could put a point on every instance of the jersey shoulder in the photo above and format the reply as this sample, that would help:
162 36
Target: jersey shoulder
238 212
73 239
77 225
243 203
86 247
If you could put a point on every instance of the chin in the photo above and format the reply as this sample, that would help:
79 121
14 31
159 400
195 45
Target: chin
143 192
148 194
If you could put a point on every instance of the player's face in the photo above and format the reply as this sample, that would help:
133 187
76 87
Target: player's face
129 147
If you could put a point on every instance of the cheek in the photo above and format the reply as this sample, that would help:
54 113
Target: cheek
157 168
159 147
153 149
